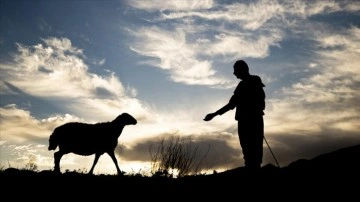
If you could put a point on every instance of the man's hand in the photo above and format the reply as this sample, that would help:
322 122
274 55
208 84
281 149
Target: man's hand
210 116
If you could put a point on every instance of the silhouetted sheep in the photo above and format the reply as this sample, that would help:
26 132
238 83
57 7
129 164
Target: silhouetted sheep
87 139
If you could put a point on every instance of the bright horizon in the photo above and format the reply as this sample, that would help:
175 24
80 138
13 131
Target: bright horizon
169 63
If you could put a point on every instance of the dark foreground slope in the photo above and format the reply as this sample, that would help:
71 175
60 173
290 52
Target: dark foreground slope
335 174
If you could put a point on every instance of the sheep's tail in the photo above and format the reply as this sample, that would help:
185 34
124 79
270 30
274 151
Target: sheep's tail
53 142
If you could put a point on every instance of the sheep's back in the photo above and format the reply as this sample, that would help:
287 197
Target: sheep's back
85 139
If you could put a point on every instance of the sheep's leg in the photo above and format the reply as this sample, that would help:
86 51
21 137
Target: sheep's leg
57 158
97 156
112 155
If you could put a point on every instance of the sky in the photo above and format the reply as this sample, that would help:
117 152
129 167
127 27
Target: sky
168 64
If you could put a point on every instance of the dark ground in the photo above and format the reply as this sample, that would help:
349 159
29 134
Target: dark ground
334 175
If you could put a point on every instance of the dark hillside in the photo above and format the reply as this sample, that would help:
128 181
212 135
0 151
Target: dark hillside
332 174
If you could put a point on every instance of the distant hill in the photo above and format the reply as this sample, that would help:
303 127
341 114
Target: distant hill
345 159
339 162
330 174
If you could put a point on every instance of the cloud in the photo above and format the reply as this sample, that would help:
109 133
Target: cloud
289 147
263 13
248 16
213 152
323 108
174 54
20 156
306 9
236 45
25 138
186 46
176 5
337 75
61 73
19 126
189 62
185 42
352 7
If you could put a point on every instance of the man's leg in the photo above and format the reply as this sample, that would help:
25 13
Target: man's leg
251 133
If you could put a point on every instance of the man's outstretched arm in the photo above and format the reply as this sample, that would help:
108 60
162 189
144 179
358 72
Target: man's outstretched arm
229 106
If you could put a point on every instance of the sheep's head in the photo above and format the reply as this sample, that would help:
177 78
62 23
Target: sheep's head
126 119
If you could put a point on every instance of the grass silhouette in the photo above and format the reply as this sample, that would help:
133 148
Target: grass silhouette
176 157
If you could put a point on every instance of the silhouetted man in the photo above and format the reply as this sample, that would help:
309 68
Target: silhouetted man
249 100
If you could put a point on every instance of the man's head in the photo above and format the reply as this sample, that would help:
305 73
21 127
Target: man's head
241 69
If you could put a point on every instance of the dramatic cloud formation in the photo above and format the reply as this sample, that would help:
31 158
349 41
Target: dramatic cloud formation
169 63
322 109
241 31
61 73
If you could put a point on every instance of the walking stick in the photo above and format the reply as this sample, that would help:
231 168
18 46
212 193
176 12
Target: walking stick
272 152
